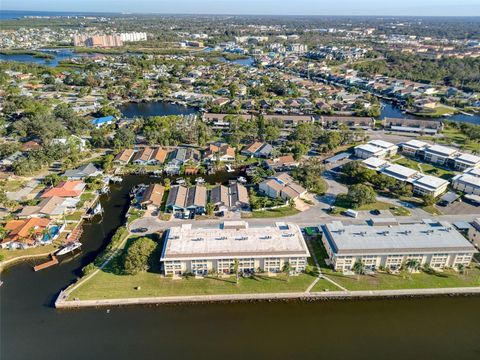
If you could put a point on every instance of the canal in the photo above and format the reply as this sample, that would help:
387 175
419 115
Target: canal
58 55
440 328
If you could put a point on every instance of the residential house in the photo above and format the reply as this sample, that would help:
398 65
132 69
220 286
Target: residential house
176 198
124 157
71 189
219 152
82 172
152 197
142 157
103 121
24 233
282 185
54 207
257 149
282 163
196 200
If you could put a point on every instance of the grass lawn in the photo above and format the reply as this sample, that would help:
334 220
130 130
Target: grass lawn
280 212
439 111
427 169
76 216
342 204
134 215
12 185
10 254
403 280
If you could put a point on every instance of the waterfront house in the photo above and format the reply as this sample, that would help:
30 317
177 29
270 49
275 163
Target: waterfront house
197 250
142 157
219 152
66 189
24 233
103 121
124 157
176 198
257 149
83 172
282 163
152 197
196 199
282 185
433 243
54 207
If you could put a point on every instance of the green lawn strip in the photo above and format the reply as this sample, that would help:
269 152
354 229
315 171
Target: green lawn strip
76 216
342 204
15 253
427 169
280 212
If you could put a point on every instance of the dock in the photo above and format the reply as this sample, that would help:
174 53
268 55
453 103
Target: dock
53 261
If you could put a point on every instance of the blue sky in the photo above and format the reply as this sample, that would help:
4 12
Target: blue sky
283 7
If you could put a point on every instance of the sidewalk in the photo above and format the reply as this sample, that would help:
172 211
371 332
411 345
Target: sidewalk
62 303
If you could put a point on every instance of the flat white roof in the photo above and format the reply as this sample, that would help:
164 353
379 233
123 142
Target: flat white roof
382 144
417 144
468 179
399 171
375 163
442 150
370 148
395 239
468 158
473 171
431 182
186 242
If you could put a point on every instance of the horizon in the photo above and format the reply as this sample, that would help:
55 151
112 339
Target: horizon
86 12
407 8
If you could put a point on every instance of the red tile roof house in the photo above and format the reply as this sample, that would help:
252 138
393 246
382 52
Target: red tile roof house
71 189
24 233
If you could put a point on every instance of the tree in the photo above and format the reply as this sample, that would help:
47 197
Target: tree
428 200
210 208
138 255
287 268
360 194
107 162
124 138
412 264
359 269
235 268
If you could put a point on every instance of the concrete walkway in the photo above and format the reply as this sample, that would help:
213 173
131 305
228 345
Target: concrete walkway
61 302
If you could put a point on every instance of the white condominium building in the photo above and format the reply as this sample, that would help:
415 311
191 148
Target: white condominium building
377 148
436 244
199 250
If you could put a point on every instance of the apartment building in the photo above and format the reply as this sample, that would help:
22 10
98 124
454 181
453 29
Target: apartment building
468 182
431 243
200 250
377 148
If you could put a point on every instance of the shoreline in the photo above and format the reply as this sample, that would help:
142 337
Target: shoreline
14 261
62 303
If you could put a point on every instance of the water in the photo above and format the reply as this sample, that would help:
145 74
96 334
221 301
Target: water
154 108
248 62
392 111
440 328
64 54
17 14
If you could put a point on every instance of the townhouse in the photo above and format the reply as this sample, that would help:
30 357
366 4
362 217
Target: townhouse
152 197
124 157
282 163
219 152
230 198
282 185
182 199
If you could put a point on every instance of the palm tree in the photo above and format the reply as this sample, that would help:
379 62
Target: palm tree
412 265
358 268
235 267
461 268
286 269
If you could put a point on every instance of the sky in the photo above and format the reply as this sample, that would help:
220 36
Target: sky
273 7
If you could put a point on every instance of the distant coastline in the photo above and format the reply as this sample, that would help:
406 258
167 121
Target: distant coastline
15 14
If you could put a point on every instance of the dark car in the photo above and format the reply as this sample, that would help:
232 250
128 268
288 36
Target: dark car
139 230
375 212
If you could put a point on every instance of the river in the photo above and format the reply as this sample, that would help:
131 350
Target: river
58 55
440 328
154 108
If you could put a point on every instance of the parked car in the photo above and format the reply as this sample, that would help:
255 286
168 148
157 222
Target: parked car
139 230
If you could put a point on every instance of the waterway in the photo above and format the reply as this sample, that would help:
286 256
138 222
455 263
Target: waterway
58 55
154 108
440 328
392 111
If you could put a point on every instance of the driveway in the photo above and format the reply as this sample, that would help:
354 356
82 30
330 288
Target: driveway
23 192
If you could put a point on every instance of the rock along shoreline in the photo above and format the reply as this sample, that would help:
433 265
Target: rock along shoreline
62 303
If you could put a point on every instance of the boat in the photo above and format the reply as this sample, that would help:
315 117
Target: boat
157 173
105 190
68 248
116 179
242 180
180 181
229 168
98 209
200 180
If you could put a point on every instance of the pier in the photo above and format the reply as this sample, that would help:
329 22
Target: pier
53 261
